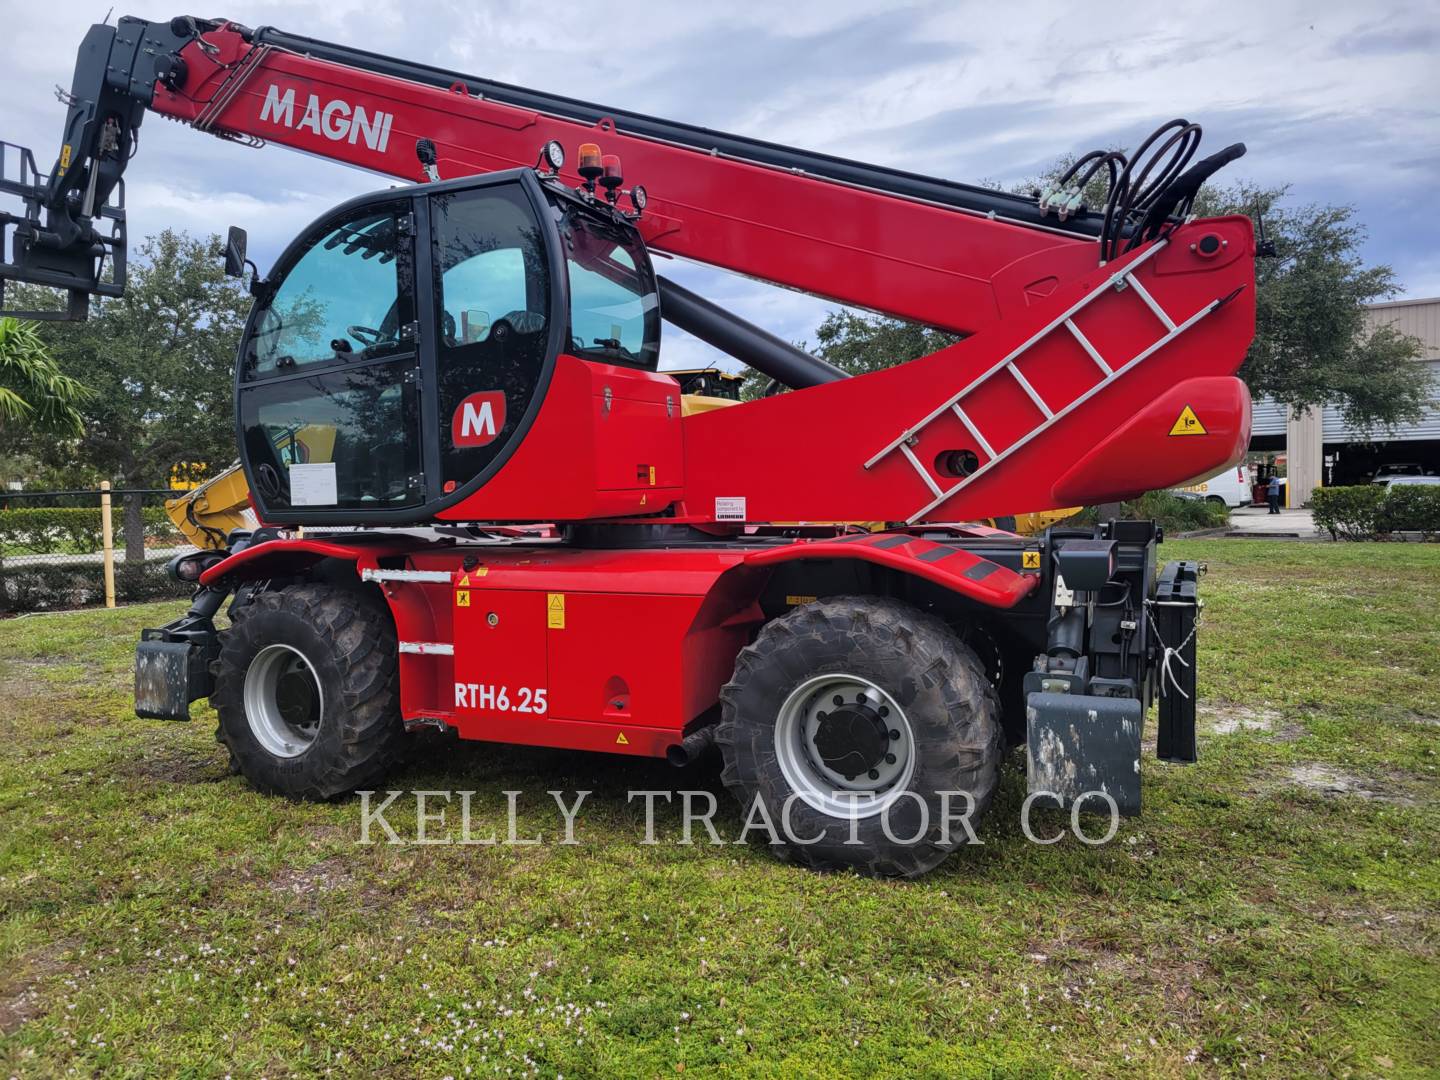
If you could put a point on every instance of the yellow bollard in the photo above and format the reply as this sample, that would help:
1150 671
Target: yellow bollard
107 536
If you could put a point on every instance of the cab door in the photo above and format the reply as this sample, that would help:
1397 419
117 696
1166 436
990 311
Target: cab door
495 318
328 394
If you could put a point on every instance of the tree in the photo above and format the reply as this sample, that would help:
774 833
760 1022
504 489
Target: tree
36 397
1311 346
857 343
160 360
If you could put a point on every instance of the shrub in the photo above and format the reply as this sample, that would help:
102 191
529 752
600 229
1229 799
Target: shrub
1410 508
46 586
46 530
1172 512
1365 511
74 530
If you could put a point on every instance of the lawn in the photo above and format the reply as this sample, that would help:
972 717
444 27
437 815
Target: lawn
1274 912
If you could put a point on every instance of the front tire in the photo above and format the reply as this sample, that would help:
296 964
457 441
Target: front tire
308 691
855 712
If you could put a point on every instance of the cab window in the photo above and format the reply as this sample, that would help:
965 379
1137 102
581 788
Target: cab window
329 390
493 314
339 302
341 440
614 307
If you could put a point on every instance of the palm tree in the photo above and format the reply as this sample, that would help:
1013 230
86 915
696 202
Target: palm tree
34 393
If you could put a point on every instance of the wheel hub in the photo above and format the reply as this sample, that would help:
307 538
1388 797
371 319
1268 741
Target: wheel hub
852 739
283 700
844 745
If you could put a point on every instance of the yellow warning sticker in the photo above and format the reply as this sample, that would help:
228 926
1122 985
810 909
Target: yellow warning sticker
621 740
555 611
796 601
464 581
652 475
1187 423
462 598
1030 560
64 158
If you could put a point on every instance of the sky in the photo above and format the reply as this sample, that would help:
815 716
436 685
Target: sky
1339 100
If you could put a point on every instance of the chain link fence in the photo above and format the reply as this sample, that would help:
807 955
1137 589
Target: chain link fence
53 551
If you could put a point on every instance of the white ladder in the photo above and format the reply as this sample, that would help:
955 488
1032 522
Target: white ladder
1119 281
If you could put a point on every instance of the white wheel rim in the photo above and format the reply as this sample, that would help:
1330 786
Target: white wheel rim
280 716
807 742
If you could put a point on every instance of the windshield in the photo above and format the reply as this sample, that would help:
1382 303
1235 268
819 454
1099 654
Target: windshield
339 302
614 308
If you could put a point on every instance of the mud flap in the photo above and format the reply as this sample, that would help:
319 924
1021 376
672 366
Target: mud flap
1177 606
168 676
1079 743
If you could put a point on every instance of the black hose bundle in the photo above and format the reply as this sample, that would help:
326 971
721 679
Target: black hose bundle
1143 184
1146 191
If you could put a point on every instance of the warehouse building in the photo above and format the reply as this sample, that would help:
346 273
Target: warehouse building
1319 448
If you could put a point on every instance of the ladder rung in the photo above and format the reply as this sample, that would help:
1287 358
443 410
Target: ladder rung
1024 440
1144 294
1036 398
1079 305
1085 344
924 472
975 431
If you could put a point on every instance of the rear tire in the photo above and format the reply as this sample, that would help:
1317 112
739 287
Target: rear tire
843 686
308 691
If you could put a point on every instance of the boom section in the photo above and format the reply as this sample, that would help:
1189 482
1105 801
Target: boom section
910 246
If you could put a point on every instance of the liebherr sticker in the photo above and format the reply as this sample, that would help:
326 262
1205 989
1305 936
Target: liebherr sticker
337 120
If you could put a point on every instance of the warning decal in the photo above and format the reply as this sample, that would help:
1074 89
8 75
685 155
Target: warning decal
621 740
1030 560
555 611
1187 423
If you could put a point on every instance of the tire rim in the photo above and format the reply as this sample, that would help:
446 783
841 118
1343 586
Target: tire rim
844 745
283 701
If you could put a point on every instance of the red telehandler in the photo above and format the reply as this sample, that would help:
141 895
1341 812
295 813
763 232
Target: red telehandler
515 529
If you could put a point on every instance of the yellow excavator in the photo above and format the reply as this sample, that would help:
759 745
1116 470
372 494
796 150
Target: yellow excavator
210 510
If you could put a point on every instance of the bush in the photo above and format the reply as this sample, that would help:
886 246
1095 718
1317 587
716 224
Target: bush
1410 508
74 530
1172 512
46 530
49 586
1366 511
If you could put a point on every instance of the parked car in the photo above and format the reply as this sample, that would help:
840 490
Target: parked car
1231 487
1400 468
1389 480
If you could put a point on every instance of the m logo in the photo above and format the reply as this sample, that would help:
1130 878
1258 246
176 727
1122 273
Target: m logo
479 419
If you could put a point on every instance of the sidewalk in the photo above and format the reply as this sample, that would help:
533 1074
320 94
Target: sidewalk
1257 521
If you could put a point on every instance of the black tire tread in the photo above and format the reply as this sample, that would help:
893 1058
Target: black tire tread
931 650
356 633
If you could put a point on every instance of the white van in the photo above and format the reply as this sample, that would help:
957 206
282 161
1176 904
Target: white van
1231 487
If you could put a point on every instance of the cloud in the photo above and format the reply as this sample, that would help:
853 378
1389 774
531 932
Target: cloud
1333 98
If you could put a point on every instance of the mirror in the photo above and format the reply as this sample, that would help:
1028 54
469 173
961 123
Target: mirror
235 243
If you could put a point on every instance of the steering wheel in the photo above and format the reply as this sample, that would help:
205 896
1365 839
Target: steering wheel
366 335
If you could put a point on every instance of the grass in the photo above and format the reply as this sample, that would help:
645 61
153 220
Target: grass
1272 913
